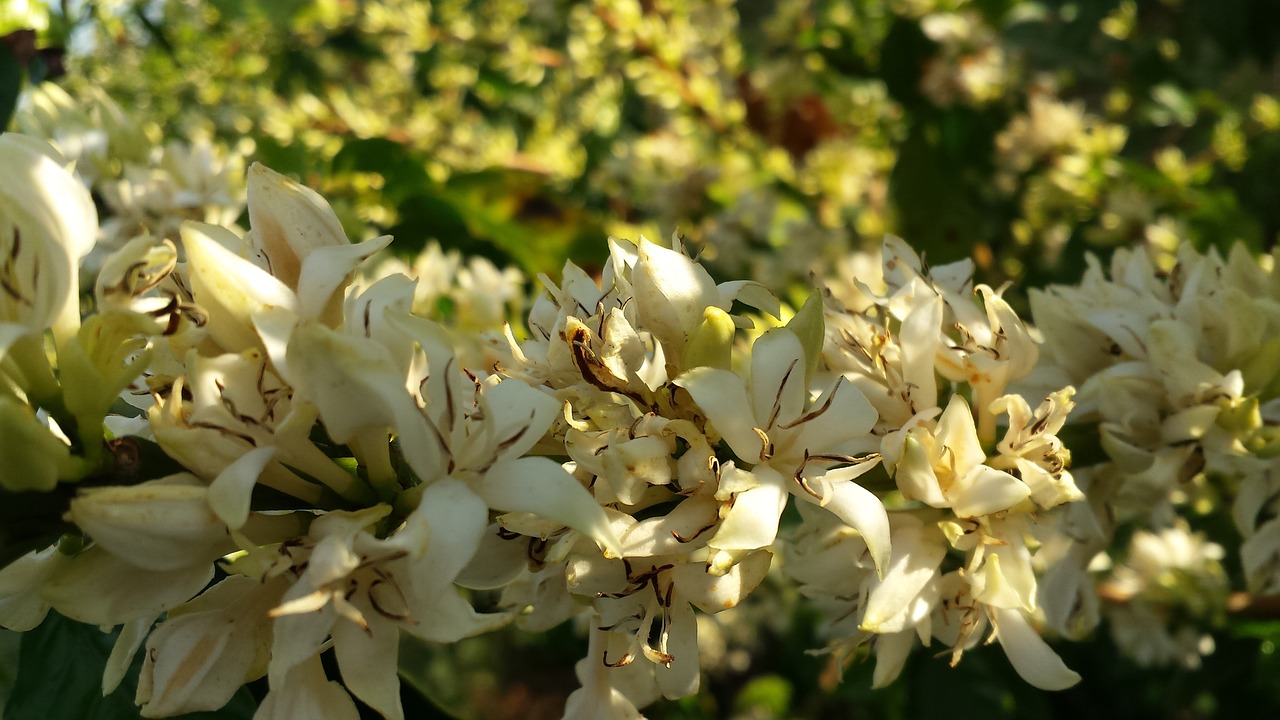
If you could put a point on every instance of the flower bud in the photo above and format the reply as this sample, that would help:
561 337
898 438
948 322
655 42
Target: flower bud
164 524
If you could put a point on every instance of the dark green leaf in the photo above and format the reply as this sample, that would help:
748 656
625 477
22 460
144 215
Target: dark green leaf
10 84
60 678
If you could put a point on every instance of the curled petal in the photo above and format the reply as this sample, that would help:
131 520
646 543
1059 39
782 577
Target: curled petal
540 486
325 274
289 222
1030 655
861 510
672 292
231 289
230 492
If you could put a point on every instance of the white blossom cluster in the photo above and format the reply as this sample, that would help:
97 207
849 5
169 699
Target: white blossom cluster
965 503
1177 371
147 188
361 452
347 477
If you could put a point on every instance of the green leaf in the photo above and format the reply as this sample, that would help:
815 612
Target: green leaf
767 695
60 678
10 84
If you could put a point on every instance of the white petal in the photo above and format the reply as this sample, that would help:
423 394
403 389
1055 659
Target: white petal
597 699
198 659
230 492
752 520
289 222
916 556
442 534
368 662
230 288
914 473
920 338
98 588
47 223
521 415
21 606
306 694
841 416
750 293
326 272
959 436
986 490
778 387
164 524
540 486
356 386
861 510
671 291
722 397
132 634
892 650
713 593
449 617
680 678
1030 655
497 562
684 528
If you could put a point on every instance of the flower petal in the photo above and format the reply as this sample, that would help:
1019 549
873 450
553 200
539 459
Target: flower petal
778 389
230 288
986 490
722 397
230 492
98 588
861 510
914 561
1030 655
368 662
713 593
540 486
356 386
198 659
752 520
163 524
304 693
671 291
325 273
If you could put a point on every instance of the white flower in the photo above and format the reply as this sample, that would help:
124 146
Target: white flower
772 426
47 224
361 591
946 468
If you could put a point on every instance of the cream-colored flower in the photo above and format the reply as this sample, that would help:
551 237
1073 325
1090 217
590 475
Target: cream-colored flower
772 426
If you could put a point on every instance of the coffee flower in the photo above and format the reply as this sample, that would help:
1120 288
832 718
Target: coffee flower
773 427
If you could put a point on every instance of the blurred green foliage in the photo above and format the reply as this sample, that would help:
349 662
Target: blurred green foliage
1026 133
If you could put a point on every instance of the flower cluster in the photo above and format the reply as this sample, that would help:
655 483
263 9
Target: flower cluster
966 505
1177 372
146 187
346 475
